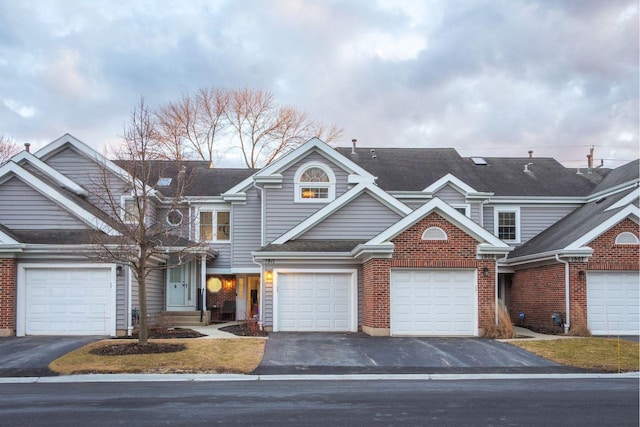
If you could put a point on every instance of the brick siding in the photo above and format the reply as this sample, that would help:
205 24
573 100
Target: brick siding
458 251
7 296
539 291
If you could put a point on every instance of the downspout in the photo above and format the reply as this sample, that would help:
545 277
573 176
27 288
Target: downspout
262 226
567 323
203 289
129 303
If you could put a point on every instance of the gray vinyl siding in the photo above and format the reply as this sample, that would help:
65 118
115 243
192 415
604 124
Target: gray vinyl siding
223 260
281 212
536 219
246 234
267 301
121 301
24 208
414 204
87 173
450 195
533 219
155 293
363 218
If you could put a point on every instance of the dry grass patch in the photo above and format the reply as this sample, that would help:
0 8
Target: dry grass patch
200 356
609 355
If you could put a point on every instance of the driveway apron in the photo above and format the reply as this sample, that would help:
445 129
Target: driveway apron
338 353
31 356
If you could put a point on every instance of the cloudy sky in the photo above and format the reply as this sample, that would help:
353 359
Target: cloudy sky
487 77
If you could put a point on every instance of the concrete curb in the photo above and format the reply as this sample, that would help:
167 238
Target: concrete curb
111 378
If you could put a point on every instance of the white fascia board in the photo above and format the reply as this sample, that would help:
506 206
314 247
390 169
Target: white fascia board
234 197
626 200
583 252
307 147
59 199
411 195
480 195
301 255
630 211
613 190
353 179
384 250
378 194
537 200
91 154
484 248
457 183
273 179
449 213
25 156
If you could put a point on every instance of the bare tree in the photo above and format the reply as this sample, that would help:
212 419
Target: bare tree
249 120
264 130
192 124
144 238
8 148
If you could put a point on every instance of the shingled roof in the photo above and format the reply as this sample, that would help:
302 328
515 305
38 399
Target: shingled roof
414 169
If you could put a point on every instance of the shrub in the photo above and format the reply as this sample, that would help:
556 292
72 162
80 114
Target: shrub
504 328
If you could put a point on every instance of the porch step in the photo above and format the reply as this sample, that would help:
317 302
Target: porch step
186 318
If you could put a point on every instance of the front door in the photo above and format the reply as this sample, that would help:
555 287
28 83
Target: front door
181 288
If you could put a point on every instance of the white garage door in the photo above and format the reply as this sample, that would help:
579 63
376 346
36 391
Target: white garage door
433 302
613 303
68 301
316 302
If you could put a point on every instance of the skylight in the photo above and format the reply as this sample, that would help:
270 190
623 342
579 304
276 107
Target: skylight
479 161
164 182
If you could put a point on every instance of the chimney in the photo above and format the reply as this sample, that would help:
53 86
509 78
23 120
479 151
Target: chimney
26 146
590 159
530 154
353 145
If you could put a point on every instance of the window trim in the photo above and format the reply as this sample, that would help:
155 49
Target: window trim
330 186
466 206
496 214
179 222
632 238
214 224
123 209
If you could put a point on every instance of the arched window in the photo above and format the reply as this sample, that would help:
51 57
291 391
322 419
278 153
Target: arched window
626 238
315 182
434 233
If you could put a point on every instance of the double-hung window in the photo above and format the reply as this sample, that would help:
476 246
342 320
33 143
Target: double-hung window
215 225
507 224
130 214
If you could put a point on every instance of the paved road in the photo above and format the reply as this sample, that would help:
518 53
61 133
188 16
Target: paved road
583 402
337 353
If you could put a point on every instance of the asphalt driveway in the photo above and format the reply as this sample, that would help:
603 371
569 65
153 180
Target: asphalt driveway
358 353
30 356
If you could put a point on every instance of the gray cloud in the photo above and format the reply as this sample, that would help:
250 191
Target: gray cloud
485 77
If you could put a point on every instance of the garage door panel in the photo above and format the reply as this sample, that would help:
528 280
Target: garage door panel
613 302
315 302
433 302
68 301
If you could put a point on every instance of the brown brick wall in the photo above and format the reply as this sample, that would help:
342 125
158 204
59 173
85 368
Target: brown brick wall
458 251
7 296
540 291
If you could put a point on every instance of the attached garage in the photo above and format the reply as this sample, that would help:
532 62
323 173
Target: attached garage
613 302
314 301
66 300
432 302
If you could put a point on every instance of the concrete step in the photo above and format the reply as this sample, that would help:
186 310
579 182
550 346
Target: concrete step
186 318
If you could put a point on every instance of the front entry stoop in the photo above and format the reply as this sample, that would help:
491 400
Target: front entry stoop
186 318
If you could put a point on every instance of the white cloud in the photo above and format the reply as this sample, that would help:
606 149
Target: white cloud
22 110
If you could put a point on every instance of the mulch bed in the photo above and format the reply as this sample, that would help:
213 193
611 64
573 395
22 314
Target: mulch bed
135 348
244 330
169 333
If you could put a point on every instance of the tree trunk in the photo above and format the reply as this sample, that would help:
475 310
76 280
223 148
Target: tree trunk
143 334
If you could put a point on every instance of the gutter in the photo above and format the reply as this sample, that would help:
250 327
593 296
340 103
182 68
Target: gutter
567 323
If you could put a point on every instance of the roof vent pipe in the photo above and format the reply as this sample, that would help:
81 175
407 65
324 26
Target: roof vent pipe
353 145
26 146
530 154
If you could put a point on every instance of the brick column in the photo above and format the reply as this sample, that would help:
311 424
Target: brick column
375 297
7 296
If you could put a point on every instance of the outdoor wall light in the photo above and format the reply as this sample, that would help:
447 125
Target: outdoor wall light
268 276
485 271
581 274
119 270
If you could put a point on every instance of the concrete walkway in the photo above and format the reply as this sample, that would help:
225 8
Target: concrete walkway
213 331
